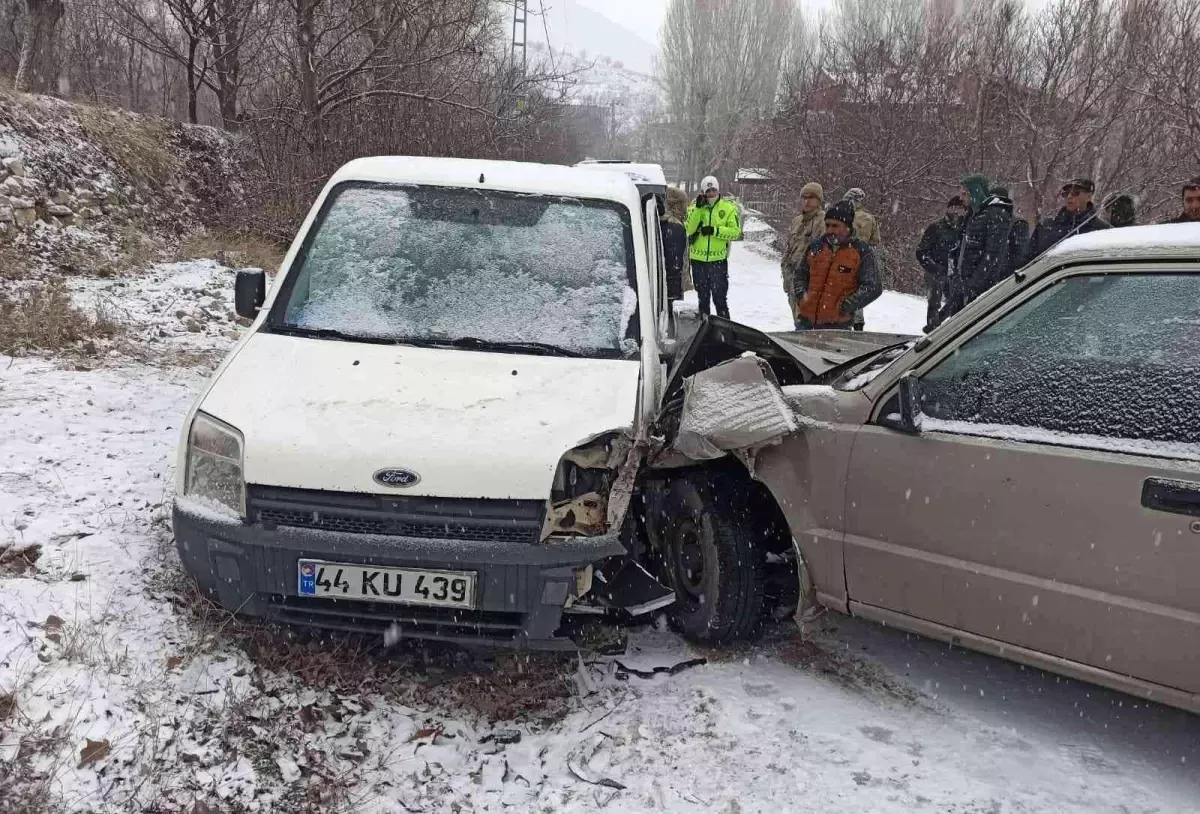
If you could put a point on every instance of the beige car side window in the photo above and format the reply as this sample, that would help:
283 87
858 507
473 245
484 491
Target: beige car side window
1100 355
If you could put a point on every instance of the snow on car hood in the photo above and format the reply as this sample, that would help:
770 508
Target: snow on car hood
326 414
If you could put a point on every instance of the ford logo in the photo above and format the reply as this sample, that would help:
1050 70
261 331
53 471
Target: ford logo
397 478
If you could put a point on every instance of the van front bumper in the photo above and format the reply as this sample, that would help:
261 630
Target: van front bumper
521 587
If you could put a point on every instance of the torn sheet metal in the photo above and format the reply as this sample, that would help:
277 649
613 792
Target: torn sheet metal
735 406
585 514
621 493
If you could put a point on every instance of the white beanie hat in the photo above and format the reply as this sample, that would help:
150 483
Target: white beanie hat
709 182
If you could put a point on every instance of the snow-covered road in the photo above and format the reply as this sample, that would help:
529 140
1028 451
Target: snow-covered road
116 697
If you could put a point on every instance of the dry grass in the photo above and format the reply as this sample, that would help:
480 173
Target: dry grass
137 246
141 145
14 264
496 686
43 317
234 249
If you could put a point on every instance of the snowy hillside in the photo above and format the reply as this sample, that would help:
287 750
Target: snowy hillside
572 27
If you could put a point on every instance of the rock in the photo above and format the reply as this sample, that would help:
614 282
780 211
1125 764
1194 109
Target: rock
21 203
24 216
61 197
12 186
60 211
192 326
7 215
87 213
15 165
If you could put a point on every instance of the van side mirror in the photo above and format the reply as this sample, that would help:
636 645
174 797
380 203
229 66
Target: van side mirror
249 292
903 411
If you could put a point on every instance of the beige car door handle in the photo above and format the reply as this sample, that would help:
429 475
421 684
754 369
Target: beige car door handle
1174 496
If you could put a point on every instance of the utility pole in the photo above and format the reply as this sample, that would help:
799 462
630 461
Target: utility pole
517 69
520 16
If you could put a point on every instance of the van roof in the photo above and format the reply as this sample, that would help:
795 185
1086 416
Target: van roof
512 176
640 174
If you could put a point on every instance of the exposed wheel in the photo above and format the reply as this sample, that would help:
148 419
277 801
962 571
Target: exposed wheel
713 557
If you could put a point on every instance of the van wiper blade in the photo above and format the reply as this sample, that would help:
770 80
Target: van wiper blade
320 333
475 343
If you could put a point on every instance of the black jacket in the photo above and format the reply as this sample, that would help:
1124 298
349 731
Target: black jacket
1063 225
938 244
985 254
675 249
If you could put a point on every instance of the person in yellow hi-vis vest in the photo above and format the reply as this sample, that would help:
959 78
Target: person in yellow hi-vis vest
712 222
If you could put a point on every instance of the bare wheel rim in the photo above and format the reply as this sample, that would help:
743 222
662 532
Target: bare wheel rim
688 559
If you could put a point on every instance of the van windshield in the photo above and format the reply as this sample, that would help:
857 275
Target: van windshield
468 268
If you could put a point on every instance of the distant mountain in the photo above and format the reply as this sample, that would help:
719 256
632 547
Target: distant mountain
576 29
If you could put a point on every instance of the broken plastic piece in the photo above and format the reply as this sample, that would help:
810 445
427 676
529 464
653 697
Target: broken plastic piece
625 585
625 672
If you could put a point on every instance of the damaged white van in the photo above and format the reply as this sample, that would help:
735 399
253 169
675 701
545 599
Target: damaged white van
435 423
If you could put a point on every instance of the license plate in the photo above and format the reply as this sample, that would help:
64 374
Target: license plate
409 586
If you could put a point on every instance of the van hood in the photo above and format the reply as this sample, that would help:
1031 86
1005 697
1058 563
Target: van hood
327 414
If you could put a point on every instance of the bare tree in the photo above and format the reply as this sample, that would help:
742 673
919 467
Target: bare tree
37 44
720 67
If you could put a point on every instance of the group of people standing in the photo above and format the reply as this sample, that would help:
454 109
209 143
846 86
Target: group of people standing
979 241
831 271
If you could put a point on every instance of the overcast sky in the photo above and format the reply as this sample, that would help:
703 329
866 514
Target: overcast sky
644 17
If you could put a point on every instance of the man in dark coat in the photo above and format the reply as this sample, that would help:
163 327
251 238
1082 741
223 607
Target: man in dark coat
1078 216
1191 203
985 244
938 244
675 249
974 192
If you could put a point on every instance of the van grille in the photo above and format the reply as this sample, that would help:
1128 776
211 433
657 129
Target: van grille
376 617
507 521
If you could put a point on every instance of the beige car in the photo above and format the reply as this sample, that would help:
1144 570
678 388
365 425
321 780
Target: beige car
1024 481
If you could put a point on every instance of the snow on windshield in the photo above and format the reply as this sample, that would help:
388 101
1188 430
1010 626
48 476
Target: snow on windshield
1108 355
430 262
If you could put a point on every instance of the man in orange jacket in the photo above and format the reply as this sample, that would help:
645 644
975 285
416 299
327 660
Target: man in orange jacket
837 275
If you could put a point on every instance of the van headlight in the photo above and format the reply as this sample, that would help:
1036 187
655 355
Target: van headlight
214 465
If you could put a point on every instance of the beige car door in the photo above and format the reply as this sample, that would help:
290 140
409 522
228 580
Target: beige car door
1051 499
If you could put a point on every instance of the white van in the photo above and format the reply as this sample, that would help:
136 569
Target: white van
435 422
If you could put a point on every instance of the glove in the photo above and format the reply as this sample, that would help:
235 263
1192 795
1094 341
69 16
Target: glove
700 201
707 230
845 307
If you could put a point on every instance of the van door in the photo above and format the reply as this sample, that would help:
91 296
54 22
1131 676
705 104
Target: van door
654 370
1050 500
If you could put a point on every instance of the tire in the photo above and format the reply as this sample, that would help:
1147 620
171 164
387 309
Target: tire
711 555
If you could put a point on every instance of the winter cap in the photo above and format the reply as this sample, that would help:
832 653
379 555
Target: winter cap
709 182
999 190
1192 183
843 210
977 188
1082 184
956 201
813 188
1121 209
854 195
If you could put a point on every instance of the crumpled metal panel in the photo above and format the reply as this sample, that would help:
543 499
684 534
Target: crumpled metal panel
735 406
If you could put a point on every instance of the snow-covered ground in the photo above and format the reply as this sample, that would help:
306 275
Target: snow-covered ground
119 693
757 298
